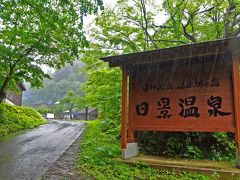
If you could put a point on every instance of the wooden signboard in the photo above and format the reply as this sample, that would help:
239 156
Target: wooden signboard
190 88
194 95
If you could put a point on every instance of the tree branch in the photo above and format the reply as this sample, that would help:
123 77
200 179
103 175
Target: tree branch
146 23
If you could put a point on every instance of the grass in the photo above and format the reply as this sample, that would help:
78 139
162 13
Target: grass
98 159
15 118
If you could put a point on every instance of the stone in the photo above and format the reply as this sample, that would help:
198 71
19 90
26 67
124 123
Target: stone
131 150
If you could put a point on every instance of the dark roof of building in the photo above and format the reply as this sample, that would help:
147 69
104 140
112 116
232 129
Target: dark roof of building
178 52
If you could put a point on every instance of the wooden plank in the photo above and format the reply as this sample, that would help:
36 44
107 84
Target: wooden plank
180 52
225 170
236 91
124 108
163 58
184 129
130 135
208 81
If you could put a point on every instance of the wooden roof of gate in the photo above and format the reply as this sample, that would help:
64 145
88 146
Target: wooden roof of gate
178 52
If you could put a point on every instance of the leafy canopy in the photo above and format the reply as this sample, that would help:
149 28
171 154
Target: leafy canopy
40 32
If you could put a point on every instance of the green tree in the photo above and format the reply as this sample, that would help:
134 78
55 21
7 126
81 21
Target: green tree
195 21
70 102
123 29
103 86
38 32
57 109
82 103
43 109
129 27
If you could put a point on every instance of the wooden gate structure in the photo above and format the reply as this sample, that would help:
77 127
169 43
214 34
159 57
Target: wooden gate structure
189 88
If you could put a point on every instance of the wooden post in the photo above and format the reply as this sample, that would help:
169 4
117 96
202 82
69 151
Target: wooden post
124 108
236 93
130 136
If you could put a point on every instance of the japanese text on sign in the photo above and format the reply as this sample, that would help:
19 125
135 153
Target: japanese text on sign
187 105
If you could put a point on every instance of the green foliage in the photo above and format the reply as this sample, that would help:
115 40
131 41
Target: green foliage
62 80
224 148
69 102
43 110
194 21
98 159
111 128
103 87
38 32
15 118
214 146
56 109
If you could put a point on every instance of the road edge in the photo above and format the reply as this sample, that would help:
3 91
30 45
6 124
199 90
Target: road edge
65 165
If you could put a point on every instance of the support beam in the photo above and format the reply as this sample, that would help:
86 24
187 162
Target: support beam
124 108
130 135
236 94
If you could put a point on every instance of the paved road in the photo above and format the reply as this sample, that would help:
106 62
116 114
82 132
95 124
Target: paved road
30 154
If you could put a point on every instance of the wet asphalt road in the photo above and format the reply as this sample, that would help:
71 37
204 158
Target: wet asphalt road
28 155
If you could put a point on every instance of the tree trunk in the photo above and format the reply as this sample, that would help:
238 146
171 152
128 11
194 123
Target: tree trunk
3 88
2 96
3 93
71 116
86 113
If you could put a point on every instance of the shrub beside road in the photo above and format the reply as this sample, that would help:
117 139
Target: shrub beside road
15 118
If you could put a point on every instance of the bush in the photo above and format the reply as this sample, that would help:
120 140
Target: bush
213 146
15 118
98 158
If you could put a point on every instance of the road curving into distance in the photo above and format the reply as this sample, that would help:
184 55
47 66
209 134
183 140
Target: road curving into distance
28 155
